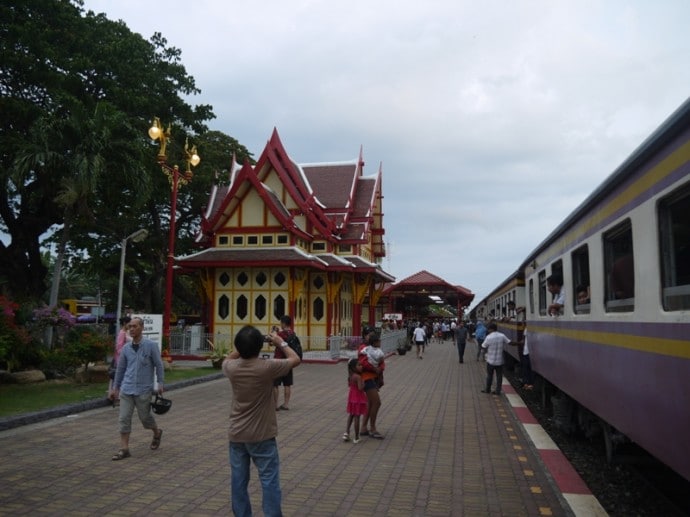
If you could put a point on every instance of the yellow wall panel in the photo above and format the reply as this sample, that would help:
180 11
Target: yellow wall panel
253 210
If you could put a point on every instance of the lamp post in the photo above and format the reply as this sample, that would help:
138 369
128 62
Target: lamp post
137 236
175 177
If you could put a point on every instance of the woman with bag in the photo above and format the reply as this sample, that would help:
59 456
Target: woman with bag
120 341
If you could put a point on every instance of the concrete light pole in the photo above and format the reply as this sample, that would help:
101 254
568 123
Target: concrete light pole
137 236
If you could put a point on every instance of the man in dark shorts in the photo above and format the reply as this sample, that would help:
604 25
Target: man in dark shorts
287 381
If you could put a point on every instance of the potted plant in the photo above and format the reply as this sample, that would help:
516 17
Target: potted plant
219 352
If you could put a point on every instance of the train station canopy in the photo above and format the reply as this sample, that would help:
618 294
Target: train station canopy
424 288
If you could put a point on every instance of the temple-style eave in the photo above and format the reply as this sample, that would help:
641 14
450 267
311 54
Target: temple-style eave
250 263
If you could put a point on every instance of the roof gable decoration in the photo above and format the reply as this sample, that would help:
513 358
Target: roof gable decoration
243 182
247 178
335 200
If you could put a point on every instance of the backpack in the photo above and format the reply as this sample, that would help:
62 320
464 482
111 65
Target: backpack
293 342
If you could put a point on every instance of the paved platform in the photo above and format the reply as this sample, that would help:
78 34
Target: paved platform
448 450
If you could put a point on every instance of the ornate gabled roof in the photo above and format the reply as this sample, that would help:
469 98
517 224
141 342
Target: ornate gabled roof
331 201
336 198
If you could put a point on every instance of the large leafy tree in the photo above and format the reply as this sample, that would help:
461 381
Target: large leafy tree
77 92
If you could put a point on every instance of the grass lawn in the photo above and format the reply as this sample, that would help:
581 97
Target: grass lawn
24 398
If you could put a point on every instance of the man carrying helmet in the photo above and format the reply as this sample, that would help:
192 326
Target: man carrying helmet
133 385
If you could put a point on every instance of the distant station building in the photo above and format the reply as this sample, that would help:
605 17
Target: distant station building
299 239
410 297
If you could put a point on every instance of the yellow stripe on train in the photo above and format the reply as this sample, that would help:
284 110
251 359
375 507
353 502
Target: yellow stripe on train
671 347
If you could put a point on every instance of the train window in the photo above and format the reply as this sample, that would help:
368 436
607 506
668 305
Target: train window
580 261
531 295
674 246
542 293
619 269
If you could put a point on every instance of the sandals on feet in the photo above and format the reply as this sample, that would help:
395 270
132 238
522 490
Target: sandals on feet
364 433
156 442
121 454
346 437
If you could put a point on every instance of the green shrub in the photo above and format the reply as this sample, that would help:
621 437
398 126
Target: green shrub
87 344
17 349
58 364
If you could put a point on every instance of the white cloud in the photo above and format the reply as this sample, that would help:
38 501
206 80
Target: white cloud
493 119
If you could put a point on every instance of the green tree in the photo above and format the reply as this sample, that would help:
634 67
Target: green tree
59 65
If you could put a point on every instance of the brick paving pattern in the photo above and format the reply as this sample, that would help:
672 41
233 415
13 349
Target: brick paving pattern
448 450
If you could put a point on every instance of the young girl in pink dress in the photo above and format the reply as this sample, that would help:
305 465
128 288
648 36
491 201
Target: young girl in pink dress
356 399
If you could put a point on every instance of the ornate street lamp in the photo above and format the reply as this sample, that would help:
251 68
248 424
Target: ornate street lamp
176 178
137 236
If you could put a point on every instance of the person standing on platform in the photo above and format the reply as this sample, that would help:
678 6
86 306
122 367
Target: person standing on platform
253 422
372 375
479 336
525 363
461 339
287 381
356 399
494 343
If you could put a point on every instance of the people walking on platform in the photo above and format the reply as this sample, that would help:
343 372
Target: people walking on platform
445 331
461 339
479 336
357 403
419 337
120 341
494 343
133 385
253 422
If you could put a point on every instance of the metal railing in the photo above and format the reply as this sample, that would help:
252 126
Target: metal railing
194 343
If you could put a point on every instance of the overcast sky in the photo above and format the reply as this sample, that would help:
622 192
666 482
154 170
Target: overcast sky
492 119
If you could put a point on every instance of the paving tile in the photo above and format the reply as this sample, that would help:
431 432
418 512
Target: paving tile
448 450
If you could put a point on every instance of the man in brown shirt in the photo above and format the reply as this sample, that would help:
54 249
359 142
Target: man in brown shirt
253 423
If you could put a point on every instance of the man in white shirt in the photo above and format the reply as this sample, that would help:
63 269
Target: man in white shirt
419 337
494 343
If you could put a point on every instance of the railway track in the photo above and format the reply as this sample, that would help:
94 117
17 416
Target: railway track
633 484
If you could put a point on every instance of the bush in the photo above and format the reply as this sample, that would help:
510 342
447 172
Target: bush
87 344
17 349
58 364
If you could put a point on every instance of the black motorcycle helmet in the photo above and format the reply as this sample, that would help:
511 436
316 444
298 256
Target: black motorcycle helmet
159 405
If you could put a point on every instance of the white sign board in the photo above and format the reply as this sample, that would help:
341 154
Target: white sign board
393 316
